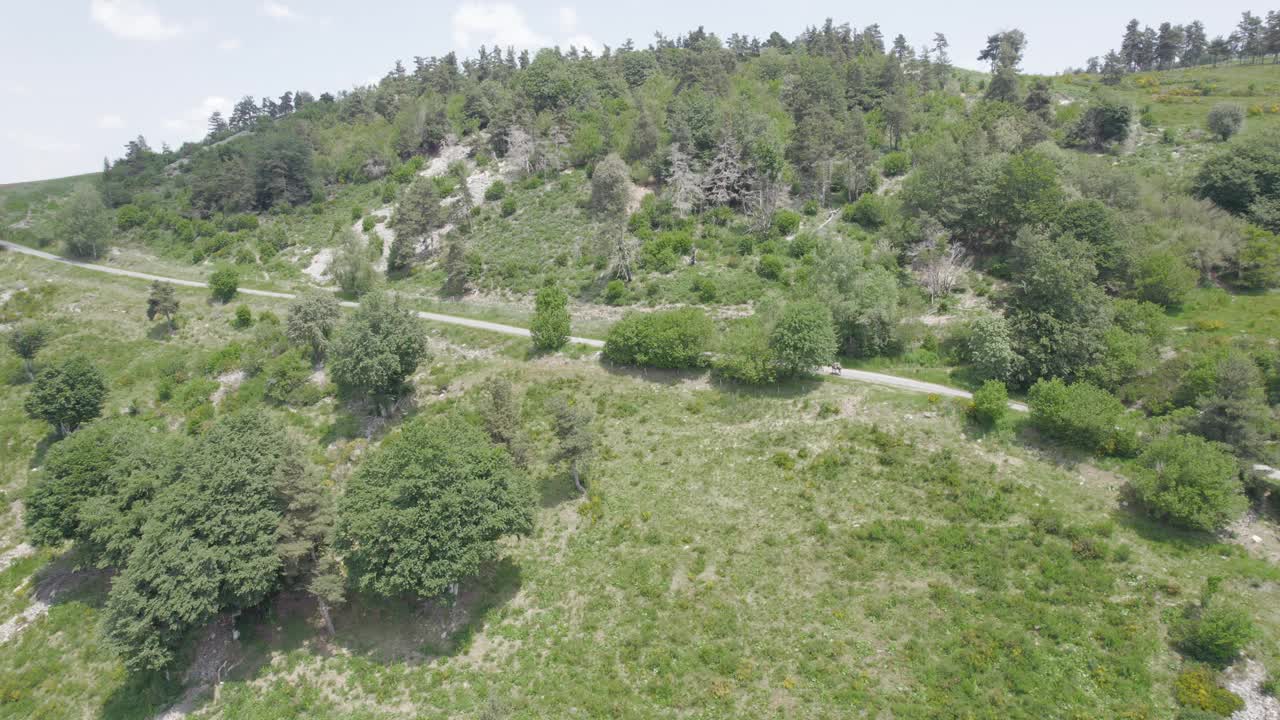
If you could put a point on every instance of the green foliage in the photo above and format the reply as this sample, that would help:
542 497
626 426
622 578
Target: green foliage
425 510
243 317
989 348
287 378
771 267
895 163
312 318
350 267
26 341
1214 633
67 394
223 283
550 326
1162 277
743 354
162 301
661 339
1197 687
282 169
868 211
508 207
84 224
1189 482
610 187
1225 120
417 216
209 542
615 291
786 222
803 338
1232 407
376 349
1082 415
990 403
1105 122
1238 175
496 191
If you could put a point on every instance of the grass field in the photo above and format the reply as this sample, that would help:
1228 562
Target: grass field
819 550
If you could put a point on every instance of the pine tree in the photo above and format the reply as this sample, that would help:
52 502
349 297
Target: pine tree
683 185
724 176
162 302
1194 43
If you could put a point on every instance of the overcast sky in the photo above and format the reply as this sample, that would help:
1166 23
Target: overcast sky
81 77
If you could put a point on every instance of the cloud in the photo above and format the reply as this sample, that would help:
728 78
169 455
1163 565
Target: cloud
195 120
110 121
279 11
568 20
41 143
500 24
229 44
133 20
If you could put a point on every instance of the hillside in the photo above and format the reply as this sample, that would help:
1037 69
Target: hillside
233 496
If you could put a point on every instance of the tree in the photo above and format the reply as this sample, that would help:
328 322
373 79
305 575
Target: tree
26 341
282 169
550 327
84 223
743 354
1113 68
1168 44
1131 46
803 338
989 348
501 415
1234 409
214 539
1195 43
577 439
1164 278
1213 633
379 346
1225 120
1082 415
724 176
941 268
224 283
417 216
1189 482
1004 52
425 510
1106 121
162 302
661 339
312 318
350 267
67 394
610 187
683 185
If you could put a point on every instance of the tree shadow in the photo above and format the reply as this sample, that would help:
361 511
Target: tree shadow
783 389
557 488
42 448
1132 517
161 331
657 376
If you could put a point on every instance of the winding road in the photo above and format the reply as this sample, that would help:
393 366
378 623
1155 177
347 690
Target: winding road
863 376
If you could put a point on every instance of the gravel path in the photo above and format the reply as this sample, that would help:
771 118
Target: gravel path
864 376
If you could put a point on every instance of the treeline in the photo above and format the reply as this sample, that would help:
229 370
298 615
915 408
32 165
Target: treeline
1168 46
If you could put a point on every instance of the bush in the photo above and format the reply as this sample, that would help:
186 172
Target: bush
770 267
1198 688
508 206
744 355
67 394
496 191
223 284
868 211
550 327
614 292
1163 278
1215 634
661 339
990 403
286 377
1082 415
786 222
1189 482
243 317
803 339
895 163
1225 120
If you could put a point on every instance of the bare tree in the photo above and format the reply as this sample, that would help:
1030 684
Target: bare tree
577 439
724 177
622 249
942 268
685 186
519 150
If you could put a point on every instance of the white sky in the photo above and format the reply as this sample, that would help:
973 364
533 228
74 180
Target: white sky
82 77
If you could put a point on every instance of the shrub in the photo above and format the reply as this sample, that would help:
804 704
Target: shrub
508 206
1189 482
1082 415
661 339
223 284
243 317
990 403
868 211
1198 688
550 327
1225 120
369 223
1164 278
803 338
989 348
744 355
496 191
614 292
286 377
770 267
705 288
895 163
1215 634
786 222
